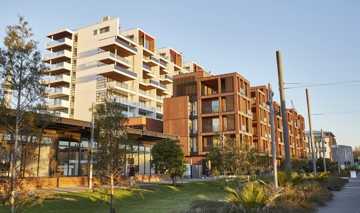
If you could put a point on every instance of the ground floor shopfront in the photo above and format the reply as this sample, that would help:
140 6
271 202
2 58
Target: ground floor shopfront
62 154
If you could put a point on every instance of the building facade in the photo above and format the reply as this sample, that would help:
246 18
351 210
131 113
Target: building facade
98 60
322 144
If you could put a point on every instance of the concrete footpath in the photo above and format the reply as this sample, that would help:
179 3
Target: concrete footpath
345 201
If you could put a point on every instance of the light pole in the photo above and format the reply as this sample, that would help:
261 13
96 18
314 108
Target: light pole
91 146
273 147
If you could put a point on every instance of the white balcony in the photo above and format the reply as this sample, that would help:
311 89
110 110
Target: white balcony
57 57
123 48
166 79
122 87
59 92
57 80
108 57
60 44
61 114
146 94
59 68
115 72
56 104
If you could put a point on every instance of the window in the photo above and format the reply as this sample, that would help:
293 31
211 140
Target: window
104 30
95 32
100 96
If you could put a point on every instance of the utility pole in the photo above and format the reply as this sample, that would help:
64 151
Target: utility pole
91 147
283 110
273 147
323 148
311 132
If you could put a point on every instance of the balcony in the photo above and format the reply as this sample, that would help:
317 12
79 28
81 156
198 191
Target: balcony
177 68
159 98
212 128
150 61
166 79
57 80
163 71
59 92
125 101
207 110
146 94
61 114
57 104
147 84
59 68
159 110
58 45
115 72
123 48
146 107
146 68
163 64
57 57
110 58
122 87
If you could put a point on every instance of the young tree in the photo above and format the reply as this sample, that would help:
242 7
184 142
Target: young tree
21 94
169 158
113 145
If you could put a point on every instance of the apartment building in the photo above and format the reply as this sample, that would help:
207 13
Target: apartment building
321 149
204 106
260 111
102 59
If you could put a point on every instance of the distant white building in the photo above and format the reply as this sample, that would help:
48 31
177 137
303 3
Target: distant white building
322 143
343 155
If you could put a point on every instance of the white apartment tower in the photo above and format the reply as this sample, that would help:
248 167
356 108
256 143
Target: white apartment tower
86 63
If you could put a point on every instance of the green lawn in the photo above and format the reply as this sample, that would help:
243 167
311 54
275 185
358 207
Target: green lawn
146 199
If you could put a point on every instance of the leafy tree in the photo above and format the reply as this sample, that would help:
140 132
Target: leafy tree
21 110
113 145
169 158
356 153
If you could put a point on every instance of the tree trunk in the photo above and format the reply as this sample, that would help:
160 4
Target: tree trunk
112 201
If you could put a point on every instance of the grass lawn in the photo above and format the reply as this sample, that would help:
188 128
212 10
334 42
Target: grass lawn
146 199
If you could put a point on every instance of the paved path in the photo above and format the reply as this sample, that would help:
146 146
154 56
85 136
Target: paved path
345 201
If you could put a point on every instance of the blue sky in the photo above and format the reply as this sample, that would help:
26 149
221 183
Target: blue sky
319 43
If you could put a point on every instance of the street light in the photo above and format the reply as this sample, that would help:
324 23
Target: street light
91 146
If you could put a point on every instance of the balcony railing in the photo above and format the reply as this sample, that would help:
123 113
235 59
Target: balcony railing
124 86
59 53
59 41
58 77
125 71
55 102
159 98
147 67
59 65
126 61
213 128
162 86
125 44
163 63
210 110
154 59
143 92
166 77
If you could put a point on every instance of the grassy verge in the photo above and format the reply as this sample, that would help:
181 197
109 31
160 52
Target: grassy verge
147 199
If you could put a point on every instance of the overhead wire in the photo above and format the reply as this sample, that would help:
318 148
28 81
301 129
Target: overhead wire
327 113
323 84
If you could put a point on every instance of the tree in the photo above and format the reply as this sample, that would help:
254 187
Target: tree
356 153
169 158
113 145
22 111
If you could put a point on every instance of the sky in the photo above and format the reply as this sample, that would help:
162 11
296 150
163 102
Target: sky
319 43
